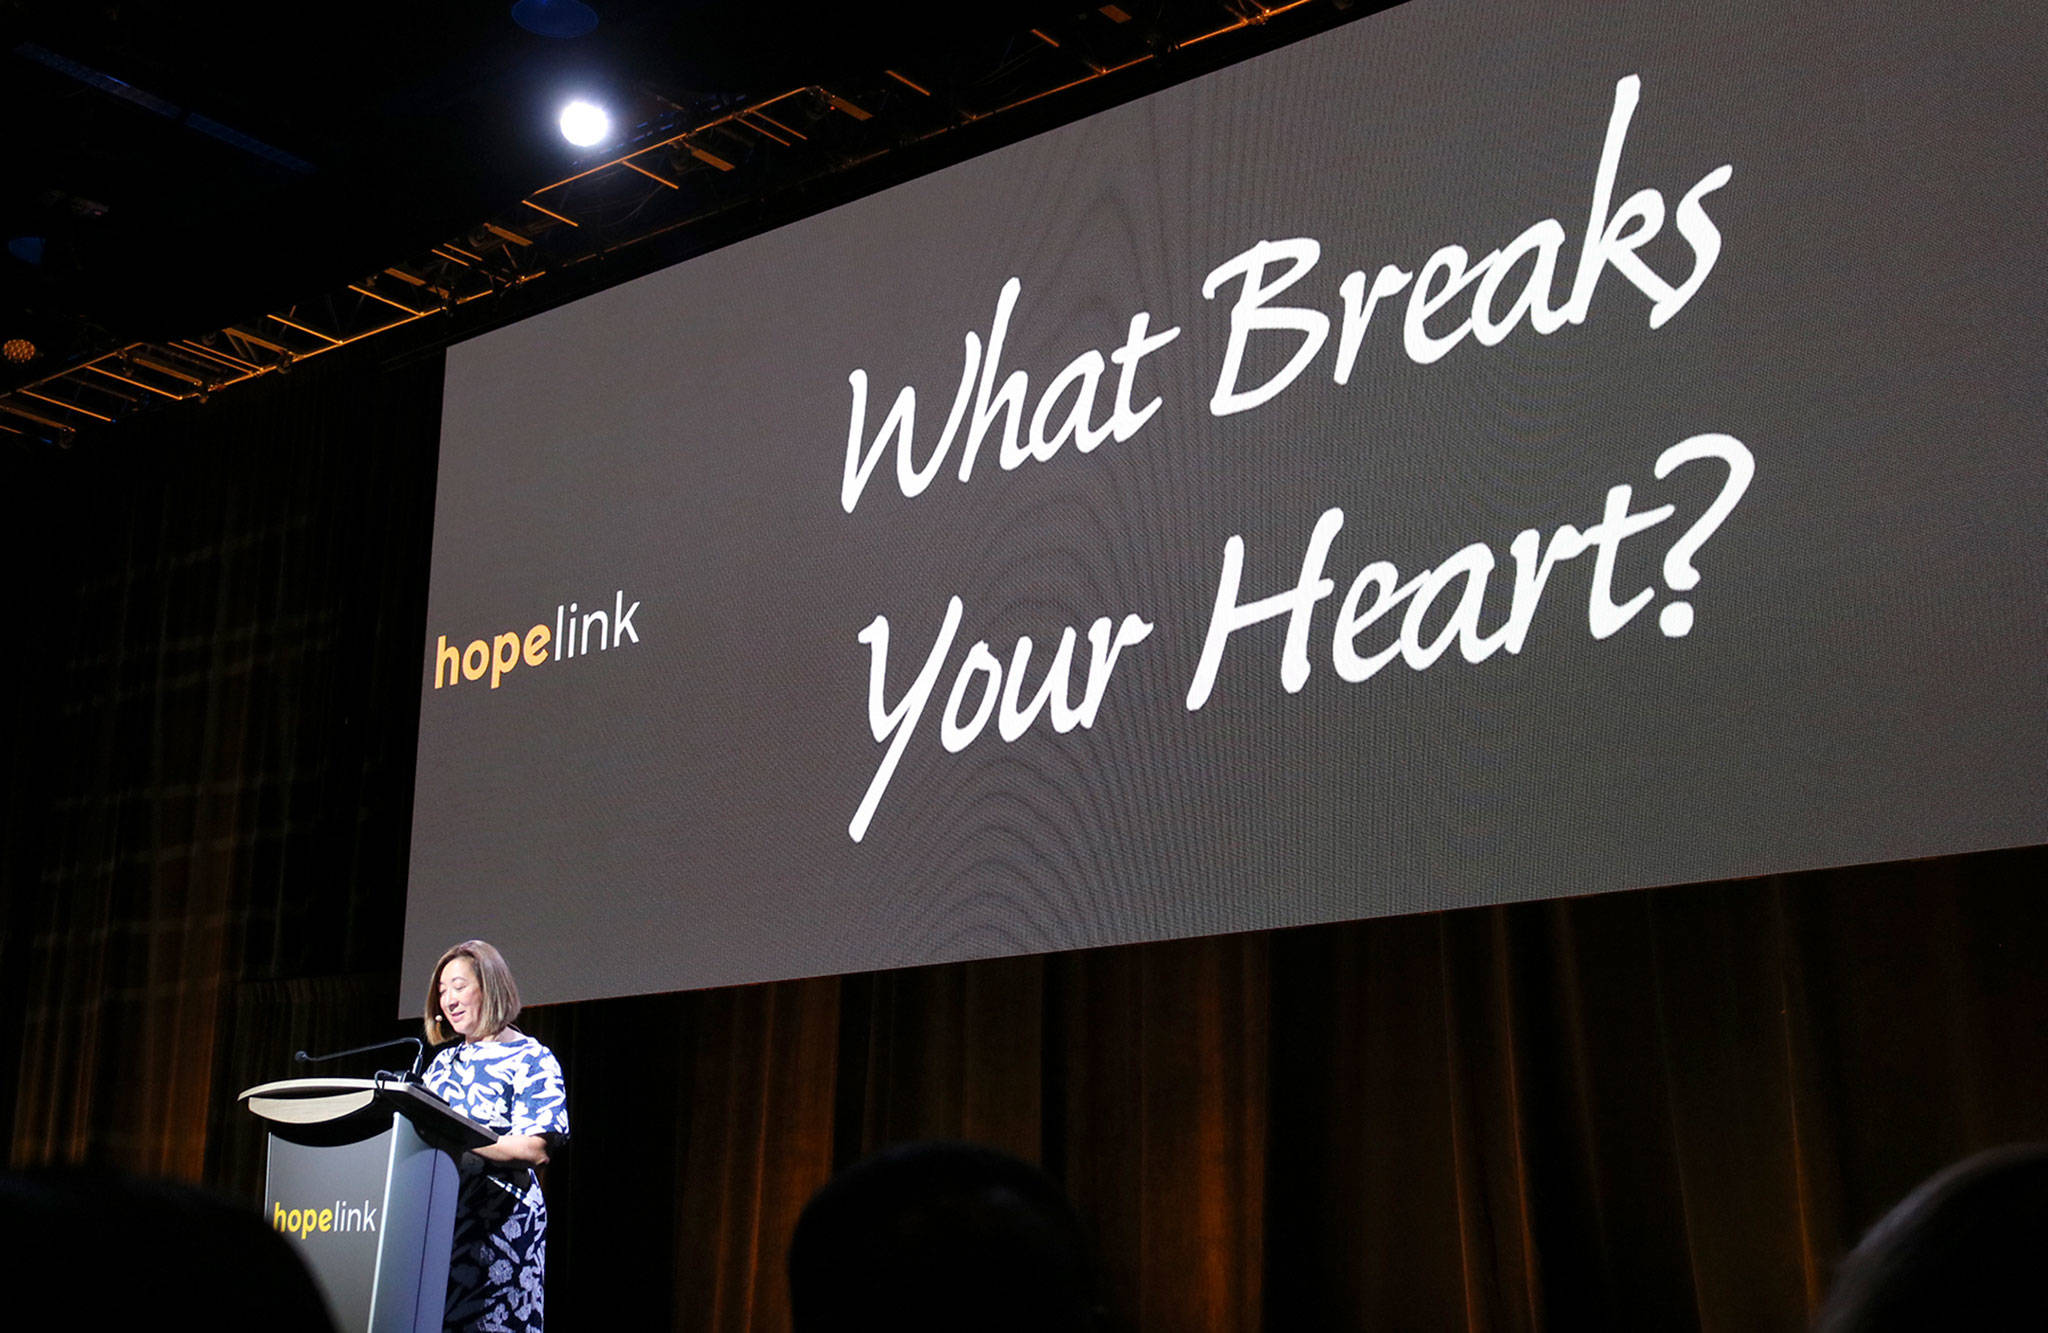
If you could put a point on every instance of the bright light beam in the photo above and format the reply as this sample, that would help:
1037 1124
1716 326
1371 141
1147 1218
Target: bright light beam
585 124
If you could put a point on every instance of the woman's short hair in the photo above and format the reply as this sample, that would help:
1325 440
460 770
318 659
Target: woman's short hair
500 1004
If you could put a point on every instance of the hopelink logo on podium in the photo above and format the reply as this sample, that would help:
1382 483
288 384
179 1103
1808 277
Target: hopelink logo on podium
339 1216
576 633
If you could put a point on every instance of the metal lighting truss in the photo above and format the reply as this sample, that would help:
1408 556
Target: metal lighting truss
679 171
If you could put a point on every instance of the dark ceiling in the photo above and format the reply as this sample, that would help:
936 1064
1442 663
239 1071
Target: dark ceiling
173 168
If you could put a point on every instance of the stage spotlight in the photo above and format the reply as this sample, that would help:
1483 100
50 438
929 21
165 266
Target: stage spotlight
585 124
18 351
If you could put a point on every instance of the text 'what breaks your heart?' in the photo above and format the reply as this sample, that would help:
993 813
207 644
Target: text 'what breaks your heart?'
1481 598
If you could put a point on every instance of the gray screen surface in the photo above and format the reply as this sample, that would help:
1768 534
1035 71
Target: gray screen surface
1787 256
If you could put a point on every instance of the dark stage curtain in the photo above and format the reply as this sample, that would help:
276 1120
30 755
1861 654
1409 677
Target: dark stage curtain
1670 1109
209 768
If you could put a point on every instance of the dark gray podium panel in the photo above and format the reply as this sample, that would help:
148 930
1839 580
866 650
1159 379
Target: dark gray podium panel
372 1218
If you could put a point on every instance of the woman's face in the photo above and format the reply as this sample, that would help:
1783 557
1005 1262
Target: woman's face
461 997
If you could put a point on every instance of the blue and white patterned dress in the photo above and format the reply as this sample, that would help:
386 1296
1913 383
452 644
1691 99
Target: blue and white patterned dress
499 1259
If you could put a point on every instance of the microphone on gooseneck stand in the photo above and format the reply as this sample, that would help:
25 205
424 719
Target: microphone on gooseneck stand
411 1076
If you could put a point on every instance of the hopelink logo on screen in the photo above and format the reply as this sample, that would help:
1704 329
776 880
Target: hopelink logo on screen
576 633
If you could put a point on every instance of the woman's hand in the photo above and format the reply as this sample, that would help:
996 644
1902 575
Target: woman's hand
530 1149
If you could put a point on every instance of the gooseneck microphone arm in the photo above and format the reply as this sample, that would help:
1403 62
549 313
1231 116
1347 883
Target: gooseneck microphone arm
419 1048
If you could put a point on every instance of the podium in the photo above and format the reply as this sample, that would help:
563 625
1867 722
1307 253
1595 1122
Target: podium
362 1181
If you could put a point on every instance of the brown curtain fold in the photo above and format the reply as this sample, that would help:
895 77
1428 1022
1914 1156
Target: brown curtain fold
760 1142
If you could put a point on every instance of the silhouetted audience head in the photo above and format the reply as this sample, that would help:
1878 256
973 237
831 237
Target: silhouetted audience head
1963 1251
932 1236
94 1249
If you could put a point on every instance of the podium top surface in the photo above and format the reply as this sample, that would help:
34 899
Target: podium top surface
318 1101
309 1087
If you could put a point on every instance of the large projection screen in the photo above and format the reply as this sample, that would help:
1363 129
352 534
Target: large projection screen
1481 453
